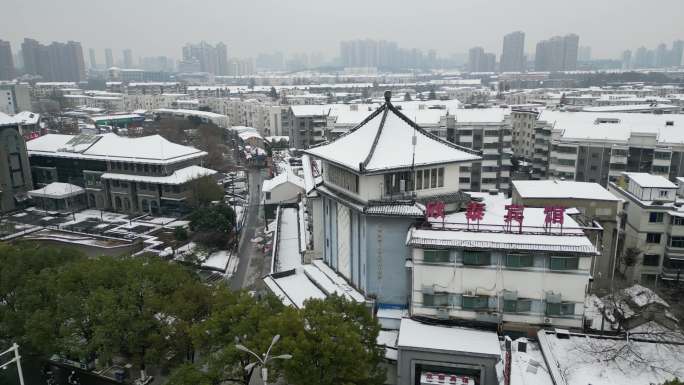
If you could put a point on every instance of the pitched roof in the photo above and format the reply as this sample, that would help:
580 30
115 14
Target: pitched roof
384 141
562 189
146 149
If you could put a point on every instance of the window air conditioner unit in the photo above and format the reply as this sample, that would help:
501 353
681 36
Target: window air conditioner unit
547 321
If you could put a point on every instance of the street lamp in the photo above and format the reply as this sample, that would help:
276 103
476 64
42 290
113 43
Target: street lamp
16 358
265 360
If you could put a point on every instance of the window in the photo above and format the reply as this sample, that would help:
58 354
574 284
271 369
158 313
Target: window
518 306
475 302
653 237
463 180
564 263
663 193
677 242
655 217
476 258
651 260
344 178
436 256
433 178
564 308
437 299
677 221
661 155
419 180
440 177
519 260
267 195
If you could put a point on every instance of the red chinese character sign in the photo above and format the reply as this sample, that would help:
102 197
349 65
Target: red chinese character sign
435 209
514 213
554 216
474 213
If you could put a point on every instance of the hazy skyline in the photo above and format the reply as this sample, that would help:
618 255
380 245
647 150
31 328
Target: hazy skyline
155 27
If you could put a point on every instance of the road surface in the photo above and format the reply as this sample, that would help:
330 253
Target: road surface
251 259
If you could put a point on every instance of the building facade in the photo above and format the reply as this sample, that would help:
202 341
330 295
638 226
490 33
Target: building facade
15 172
132 175
653 226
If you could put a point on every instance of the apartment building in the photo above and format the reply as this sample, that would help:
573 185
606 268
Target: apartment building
493 270
653 225
15 174
599 147
132 175
308 124
14 98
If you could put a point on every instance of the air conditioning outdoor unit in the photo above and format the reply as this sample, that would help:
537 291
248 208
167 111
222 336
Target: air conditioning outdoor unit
547 321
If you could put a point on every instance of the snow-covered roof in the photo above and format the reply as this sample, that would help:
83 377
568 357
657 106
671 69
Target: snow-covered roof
179 176
562 189
57 190
583 125
22 118
384 141
649 180
293 288
147 149
249 134
585 359
285 177
416 335
287 255
632 107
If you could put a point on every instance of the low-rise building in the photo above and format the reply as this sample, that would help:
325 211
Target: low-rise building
132 175
521 274
653 225
15 172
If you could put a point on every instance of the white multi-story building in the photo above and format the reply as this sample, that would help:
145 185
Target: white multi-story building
598 147
528 274
653 224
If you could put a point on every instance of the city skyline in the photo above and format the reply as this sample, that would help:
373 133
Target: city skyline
445 36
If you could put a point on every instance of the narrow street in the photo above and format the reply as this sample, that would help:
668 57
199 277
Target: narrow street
251 260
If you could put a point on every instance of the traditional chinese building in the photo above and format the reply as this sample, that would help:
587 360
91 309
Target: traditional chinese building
501 264
373 184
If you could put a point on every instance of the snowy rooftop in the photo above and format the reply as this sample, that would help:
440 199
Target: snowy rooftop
649 180
315 280
582 125
286 177
179 176
383 142
454 232
287 255
562 189
24 117
57 190
582 360
416 335
146 149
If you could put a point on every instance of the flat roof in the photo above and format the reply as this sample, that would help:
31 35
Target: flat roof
417 335
562 189
649 180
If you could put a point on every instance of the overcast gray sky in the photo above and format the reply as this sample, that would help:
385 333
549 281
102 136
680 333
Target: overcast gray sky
161 27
